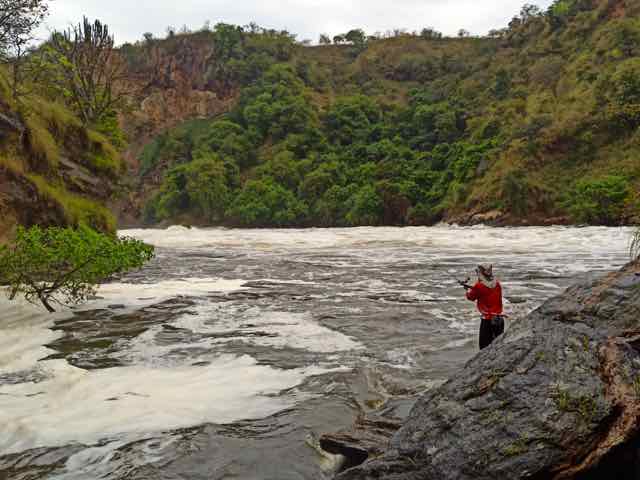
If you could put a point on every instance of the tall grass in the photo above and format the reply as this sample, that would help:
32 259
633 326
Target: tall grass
103 157
42 144
77 210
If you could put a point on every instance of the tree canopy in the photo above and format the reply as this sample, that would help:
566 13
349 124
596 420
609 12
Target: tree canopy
65 265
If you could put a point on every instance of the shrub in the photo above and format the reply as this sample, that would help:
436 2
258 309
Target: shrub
366 207
64 265
102 156
264 203
515 191
599 201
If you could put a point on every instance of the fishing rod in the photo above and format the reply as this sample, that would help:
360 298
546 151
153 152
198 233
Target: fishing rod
463 283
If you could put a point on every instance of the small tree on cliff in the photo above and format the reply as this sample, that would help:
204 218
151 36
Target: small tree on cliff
87 70
65 265
18 21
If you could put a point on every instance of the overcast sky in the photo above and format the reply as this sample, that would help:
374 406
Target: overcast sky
129 19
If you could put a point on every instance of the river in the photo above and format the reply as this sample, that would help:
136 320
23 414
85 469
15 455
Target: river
221 356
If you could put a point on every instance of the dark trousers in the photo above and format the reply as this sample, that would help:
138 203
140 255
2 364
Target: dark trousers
490 329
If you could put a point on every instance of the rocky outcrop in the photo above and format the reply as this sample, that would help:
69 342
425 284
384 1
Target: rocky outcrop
367 438
498 218
169 82
556 397
21 204
11 123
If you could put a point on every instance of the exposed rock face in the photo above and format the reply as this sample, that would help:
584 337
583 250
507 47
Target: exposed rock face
20 204
557 396
170 84
167 84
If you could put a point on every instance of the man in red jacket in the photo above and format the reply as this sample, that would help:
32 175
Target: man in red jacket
487 292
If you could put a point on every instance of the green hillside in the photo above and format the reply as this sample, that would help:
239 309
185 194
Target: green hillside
537 123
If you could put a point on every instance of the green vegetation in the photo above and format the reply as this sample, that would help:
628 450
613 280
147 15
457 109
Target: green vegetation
51 132
64 265
537 120
77 210
584 405
599 201
516 448
63 151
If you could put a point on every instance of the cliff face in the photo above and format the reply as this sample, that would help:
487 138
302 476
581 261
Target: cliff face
557 396
170 82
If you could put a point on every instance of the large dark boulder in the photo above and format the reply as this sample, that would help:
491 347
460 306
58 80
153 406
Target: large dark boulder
557 396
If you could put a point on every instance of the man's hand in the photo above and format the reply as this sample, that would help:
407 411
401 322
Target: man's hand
465 284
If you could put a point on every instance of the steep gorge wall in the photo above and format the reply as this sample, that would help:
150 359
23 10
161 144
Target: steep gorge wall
169 83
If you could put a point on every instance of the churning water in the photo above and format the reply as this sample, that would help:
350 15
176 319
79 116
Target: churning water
220 357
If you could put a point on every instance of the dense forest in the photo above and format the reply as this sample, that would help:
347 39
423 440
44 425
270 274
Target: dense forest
533 123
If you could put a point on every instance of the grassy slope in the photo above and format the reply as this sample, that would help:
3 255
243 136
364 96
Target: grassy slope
37 188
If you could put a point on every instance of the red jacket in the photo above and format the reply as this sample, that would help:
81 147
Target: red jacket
489 299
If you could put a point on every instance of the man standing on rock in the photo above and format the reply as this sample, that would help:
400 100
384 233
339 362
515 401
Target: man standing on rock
487 292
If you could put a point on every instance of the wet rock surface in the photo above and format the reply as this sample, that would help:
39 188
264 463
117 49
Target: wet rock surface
557 396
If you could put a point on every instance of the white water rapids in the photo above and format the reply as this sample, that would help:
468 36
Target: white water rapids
237 340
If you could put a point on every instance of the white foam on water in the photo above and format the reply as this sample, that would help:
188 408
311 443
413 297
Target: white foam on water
442 238
403 358
106 461
75 405
141 294
24 330
267 328
71 405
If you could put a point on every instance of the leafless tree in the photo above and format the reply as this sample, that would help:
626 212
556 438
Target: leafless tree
90 72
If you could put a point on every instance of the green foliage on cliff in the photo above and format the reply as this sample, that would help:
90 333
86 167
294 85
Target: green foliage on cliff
45 148
540 119
599 201
65 265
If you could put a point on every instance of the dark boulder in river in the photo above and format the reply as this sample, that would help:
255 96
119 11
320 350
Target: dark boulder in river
557 396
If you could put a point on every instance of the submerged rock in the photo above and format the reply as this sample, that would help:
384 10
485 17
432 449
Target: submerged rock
557 396
368 438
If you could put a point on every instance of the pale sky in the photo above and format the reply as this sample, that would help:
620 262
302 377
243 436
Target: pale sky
129 19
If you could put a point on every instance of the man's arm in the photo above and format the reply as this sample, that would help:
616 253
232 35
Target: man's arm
473 293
